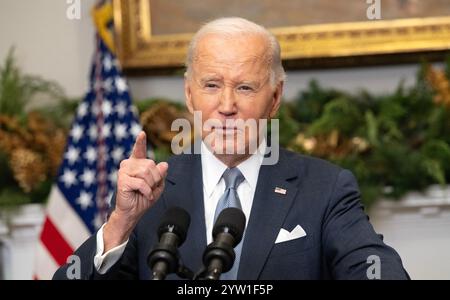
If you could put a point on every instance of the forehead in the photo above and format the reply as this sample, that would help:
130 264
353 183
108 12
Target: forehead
234 55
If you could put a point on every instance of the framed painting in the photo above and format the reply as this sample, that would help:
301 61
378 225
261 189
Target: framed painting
154 34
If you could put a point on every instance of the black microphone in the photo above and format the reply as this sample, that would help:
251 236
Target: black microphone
172 231
219 256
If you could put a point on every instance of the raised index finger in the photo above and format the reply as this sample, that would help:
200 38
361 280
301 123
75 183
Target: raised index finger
140 146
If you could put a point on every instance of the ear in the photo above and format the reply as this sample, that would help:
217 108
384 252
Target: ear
276 100
188 94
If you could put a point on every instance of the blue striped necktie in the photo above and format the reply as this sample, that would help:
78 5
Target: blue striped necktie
230 198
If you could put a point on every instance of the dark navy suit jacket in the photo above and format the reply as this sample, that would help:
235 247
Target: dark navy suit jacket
321 197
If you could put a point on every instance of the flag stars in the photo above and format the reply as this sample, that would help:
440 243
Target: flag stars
72 155
135 111
121 109
121 85
135 129
107 85
113 177
120 131
82 110
69 178
93 132
85 200
88 177
106 130
76 132
100 137
91 154
107 63
117 154
106 108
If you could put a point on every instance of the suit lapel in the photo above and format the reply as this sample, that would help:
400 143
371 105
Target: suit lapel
268 212
186 191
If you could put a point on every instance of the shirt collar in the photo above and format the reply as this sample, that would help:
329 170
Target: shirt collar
250 167
213 168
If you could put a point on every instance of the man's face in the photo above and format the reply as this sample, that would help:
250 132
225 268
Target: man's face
230 80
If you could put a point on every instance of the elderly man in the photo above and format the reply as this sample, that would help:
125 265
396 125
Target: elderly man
304 217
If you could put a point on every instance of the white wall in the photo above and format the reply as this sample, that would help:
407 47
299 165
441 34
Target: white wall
47 43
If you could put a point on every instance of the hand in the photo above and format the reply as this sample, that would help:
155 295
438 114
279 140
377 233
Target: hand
140 183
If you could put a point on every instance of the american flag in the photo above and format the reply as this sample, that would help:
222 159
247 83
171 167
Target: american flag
102 134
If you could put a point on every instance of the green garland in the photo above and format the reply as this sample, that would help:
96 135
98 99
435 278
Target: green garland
16 92
406 136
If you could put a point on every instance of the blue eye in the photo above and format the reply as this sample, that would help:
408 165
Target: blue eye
211 85
245 88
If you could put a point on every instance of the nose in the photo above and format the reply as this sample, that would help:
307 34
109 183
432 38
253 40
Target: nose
227 106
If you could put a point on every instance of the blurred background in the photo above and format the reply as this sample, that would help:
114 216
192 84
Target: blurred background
368 89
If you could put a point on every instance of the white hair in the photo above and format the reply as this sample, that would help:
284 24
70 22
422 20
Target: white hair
238 26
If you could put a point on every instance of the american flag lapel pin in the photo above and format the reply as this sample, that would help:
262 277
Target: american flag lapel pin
281 191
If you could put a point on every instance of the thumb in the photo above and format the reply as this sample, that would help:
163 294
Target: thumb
162 168
140 146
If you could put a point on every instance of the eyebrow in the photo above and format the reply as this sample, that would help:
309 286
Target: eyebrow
254 83
210 78
218 78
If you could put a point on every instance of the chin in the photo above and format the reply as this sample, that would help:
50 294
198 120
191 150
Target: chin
223 145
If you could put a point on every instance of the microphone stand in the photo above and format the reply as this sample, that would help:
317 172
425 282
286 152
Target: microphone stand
217 259
182 271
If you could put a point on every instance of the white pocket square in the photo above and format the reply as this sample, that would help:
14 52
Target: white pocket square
285 235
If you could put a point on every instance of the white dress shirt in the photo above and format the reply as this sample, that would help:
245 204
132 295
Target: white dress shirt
214 184
213 188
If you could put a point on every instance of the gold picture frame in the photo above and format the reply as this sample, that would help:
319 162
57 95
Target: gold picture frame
138 48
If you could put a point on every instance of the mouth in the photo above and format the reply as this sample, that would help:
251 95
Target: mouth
225 129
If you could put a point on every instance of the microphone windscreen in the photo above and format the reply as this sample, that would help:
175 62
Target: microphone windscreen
234 220
176 220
